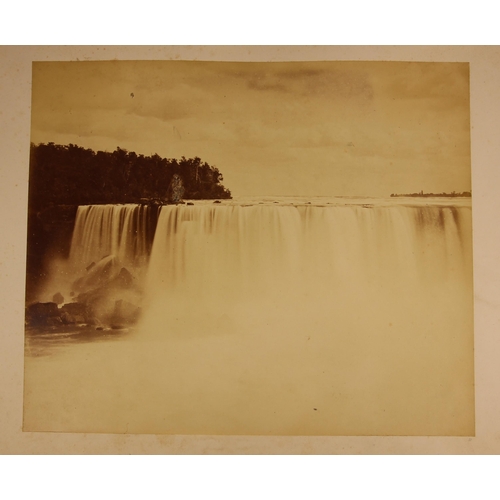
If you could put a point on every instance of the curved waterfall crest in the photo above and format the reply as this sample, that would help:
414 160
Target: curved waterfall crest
232 255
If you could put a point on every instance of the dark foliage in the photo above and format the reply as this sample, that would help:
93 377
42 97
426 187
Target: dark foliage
63 177
72 175
453 194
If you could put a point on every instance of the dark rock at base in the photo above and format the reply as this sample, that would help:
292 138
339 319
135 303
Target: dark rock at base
189 203
77 312
66 318
58 298
43 309
42 314
97 291
74 309
217 201
54 321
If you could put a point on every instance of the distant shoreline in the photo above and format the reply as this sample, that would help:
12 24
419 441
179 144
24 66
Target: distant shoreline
464 194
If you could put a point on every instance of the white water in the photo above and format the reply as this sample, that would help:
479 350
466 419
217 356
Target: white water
105 239
104 230
290 258
330 317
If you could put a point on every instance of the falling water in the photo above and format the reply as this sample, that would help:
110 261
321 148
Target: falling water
332 317
212 260
108 258
123 231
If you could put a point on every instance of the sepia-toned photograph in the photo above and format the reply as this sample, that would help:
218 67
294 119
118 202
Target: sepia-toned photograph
250 248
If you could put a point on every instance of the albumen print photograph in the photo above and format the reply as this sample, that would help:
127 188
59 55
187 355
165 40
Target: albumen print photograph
250 248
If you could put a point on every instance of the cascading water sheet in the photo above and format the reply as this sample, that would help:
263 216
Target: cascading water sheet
292 318
213 256
118 230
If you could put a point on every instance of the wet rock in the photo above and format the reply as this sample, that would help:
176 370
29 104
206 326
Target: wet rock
97 294
217 201
107 273
124 314
54 321
74 309
42 314
123 280
67 318
98 275
77 312
189 203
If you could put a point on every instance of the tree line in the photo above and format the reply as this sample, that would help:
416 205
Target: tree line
73 175
421 194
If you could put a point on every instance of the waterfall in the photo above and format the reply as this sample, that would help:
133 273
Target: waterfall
335 317
108 258
211 262
218 258
121 231
202 249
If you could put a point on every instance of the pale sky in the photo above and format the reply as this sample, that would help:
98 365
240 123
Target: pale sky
311 129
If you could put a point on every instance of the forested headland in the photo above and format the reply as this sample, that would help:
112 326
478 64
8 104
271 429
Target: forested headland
73 175
63 177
